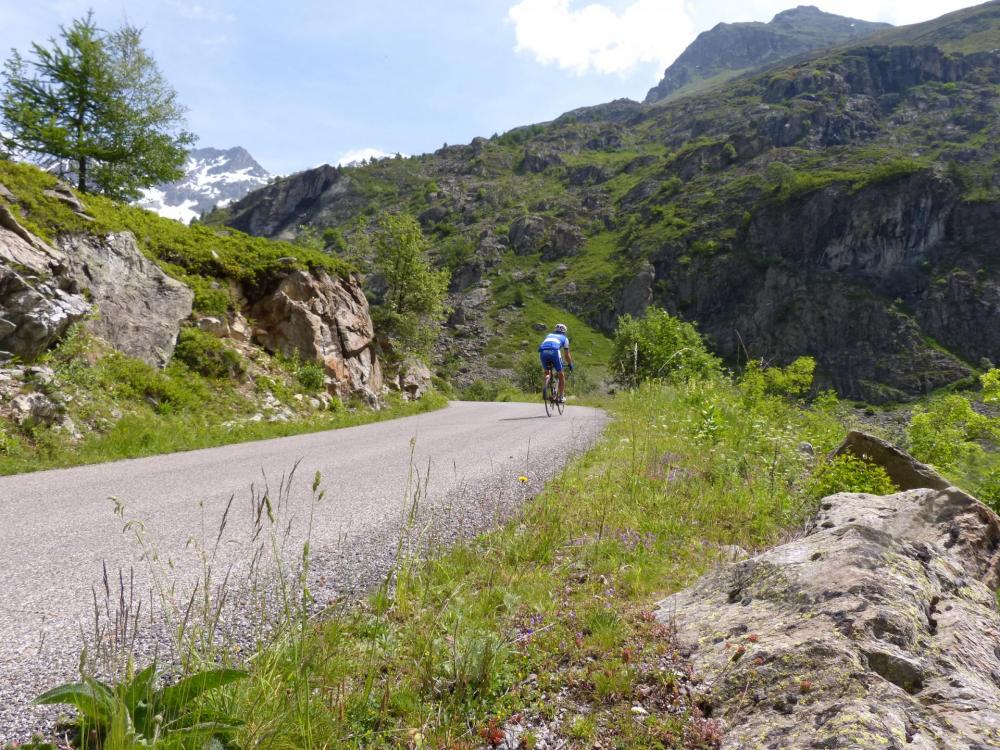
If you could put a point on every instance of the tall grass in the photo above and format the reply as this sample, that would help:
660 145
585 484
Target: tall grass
555 602
547 616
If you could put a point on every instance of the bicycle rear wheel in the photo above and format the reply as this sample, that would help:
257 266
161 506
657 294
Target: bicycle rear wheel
547 395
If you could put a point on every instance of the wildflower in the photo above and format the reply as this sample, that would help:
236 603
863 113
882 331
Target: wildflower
522 479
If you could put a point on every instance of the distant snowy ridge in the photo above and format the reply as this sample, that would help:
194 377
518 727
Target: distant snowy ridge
212 177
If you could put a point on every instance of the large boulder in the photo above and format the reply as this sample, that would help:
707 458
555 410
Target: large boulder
139 307
323 318
33 407
878 629
34 310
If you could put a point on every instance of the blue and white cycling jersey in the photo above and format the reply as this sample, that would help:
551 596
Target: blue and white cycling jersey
554 341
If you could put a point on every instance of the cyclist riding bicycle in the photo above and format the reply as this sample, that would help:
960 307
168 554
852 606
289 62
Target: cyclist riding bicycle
549 351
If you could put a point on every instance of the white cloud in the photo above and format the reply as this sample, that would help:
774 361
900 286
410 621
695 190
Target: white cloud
361 154
596 37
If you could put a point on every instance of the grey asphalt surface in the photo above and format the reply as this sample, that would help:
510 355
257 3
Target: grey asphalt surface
60 527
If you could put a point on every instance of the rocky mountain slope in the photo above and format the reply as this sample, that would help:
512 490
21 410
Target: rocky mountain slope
729 49
212 177
842 207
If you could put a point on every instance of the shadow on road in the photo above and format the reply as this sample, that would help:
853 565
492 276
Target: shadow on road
518 419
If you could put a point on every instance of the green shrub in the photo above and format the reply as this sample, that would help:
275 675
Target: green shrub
490 390
945 431
795 380
166 390
528 372
311 376
848 473
990 382
207 355
659 346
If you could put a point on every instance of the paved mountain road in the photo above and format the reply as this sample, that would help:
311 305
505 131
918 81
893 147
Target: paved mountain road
60 527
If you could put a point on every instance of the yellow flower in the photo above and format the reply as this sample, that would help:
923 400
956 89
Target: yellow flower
522 479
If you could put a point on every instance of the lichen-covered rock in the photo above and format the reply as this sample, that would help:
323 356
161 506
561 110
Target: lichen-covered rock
139 307
34 310
325 319
878 629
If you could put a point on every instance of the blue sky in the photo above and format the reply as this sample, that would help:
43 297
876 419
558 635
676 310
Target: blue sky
302 82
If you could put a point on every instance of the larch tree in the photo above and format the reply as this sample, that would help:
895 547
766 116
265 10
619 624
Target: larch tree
95 103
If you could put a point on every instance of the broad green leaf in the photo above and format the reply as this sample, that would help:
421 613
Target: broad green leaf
179 695
93 699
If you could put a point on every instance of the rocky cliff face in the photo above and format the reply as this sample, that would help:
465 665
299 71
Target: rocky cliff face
877 629
323 319
730 49
279 209
138 308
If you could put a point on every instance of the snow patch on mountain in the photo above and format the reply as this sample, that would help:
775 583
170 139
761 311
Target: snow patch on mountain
212 177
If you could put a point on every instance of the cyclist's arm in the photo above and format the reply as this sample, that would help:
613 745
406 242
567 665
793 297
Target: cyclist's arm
569 357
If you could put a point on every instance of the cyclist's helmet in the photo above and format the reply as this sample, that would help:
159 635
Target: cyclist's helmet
560 328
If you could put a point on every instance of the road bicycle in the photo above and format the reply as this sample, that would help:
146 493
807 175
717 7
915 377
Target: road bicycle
550 393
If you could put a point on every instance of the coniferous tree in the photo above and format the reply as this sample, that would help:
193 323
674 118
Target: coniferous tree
96 102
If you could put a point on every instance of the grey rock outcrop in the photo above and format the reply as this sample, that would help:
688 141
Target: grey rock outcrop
324 319
533 234
527 234
34 310
412 378
878 629
280 208
139 308
34 314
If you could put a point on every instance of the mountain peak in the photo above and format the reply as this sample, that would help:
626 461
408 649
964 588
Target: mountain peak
213 177
729 49
801 11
